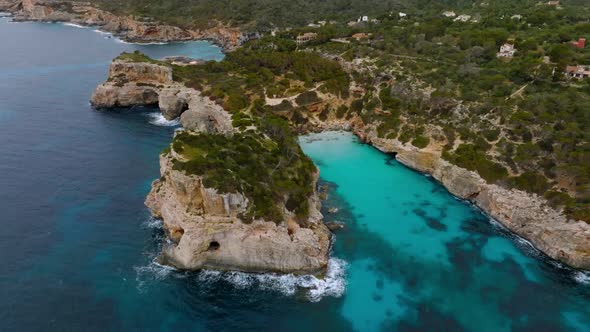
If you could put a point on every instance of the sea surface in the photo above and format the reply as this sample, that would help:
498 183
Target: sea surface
77 244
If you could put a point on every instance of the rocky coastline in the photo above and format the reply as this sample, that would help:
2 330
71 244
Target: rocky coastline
127 28
525 214
206 227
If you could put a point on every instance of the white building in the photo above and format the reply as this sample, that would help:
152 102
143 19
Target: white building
506 51
402 15
578 72
463 18
449 13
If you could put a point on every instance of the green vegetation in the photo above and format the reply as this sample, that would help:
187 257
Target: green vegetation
137 56
425 79
272 172
469 157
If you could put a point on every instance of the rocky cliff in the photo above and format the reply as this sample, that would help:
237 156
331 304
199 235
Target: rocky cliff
525 214
207 227
125 27
142 83
209 234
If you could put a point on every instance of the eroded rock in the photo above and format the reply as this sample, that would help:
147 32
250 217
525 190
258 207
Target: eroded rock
214 237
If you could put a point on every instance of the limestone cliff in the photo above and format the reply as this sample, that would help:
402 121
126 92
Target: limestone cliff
126 27
208 228
209 234
142 83
525 214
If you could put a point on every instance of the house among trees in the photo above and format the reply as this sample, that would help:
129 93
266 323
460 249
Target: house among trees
360 35
306 37
579 72
580 43
463 18
506 51
359 21
449 13
553 3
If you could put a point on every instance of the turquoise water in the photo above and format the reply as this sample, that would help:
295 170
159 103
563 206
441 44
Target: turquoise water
418 258
77 243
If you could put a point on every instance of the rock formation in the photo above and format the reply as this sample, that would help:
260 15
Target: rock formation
126 27
142 83
130 84
209 234
525 214
207 226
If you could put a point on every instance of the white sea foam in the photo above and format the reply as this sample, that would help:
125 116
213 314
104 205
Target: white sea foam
582 277
102 32
333 284
74 25
135 43
156 118
154 223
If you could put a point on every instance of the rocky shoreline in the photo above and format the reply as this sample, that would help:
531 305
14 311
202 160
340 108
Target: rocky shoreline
525 214
206 227
127 28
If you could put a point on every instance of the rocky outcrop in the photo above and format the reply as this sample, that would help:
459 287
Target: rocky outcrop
131 84
209 234
204 115
125 27
109 95
143 83
525 214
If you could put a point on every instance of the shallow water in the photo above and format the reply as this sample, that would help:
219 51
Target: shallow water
77 243
420 259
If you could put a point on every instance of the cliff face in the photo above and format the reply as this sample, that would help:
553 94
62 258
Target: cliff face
209 233
206 226
125 27
142 83
525 214
130 84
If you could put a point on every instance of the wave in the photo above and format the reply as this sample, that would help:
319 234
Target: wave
102 32
156 118
119 40
333 284
153 223
74 25
582 277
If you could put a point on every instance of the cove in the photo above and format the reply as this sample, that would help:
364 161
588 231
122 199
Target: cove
420 259
77 243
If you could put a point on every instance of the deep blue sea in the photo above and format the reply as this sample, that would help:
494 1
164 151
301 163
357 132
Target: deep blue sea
77 243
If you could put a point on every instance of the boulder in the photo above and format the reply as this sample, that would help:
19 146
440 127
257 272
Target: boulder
172 103
205 116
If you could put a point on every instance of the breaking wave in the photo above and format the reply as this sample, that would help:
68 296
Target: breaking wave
333 284
582 277
156 118
74 25
136 43
153 223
